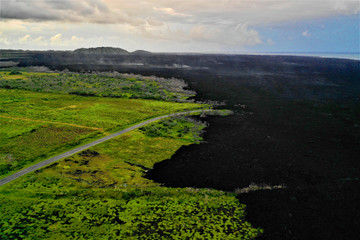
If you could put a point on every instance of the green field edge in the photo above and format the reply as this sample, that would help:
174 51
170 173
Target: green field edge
89 140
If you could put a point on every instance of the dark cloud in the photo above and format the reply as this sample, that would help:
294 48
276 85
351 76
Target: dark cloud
42 10
199 12
12 9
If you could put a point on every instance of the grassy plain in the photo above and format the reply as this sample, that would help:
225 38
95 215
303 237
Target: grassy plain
101 84
35 126
101 193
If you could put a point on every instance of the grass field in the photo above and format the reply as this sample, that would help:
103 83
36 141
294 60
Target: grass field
101 193
101 84
35 126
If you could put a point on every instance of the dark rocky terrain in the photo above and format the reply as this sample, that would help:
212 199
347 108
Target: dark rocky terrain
296 122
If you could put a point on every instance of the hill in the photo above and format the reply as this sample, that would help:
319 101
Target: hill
141 52
101 51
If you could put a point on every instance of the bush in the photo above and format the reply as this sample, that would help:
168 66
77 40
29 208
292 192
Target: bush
14 72
5 168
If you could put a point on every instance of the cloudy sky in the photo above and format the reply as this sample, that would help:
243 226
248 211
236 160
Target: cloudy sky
182 25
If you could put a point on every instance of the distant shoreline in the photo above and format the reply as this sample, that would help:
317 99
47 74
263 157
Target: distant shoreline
351 56
337 55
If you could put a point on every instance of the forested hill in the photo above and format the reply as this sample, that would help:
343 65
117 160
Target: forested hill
101 50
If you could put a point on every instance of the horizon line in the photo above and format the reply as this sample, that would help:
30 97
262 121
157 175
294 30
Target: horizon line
280 53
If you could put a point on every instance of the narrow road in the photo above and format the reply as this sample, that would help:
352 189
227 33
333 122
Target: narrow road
86 146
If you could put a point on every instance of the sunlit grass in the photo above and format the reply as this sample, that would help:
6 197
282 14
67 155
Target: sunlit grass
104 85
102 193
35 126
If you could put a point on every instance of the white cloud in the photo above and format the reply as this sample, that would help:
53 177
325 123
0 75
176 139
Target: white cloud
345 7
306 33
25 39
170 11
57 39
201 33
40 41
246 36
3 40
238 35
76 39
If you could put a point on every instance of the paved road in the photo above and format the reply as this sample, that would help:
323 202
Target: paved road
86 146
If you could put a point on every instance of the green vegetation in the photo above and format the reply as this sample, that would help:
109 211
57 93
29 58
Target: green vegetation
35 126
122 161
101 193
39 143
105 84
159 213
110 114
179 127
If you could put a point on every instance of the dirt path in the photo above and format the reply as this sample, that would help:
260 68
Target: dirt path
60 123
86 146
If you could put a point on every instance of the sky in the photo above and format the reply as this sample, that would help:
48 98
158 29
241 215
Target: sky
209 26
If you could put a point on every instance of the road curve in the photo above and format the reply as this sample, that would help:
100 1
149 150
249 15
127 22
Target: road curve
86 146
